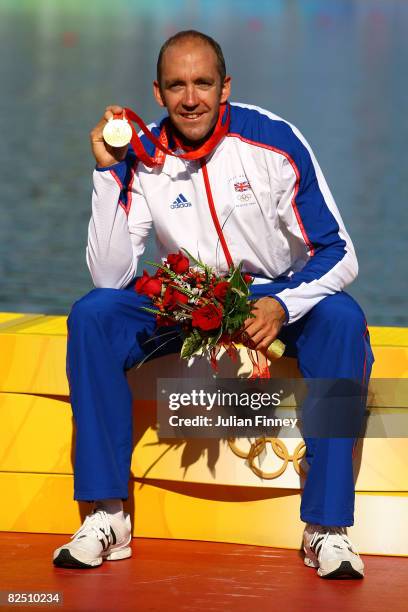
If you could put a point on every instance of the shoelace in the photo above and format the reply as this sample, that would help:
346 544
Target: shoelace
338 539
94 523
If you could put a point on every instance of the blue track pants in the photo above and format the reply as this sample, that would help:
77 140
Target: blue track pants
106 336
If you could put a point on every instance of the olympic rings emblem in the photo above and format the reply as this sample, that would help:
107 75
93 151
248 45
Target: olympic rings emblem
245 197
279 448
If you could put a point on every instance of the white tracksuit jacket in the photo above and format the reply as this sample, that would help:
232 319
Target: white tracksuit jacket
270 198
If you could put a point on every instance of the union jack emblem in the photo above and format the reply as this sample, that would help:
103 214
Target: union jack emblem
243 186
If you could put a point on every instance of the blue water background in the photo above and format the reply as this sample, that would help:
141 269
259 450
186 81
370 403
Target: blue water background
336 69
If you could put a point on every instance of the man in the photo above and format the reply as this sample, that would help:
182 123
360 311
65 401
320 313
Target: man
289 235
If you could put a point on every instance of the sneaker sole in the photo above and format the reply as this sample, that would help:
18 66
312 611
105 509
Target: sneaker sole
66 560
122 553
345 570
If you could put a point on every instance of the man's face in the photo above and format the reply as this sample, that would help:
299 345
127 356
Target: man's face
191 88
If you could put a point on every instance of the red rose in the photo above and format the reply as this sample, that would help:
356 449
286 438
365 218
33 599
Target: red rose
172 297
248 278
148 285
178 262
207 317
162 275
220 290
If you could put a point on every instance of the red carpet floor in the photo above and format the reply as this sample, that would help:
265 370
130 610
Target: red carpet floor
174 575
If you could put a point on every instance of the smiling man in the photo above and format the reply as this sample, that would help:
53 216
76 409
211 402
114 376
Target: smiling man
250 191
191 84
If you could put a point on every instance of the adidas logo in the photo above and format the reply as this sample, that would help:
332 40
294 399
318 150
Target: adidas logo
180 202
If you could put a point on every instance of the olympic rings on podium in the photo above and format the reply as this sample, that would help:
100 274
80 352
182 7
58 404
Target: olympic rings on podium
279 448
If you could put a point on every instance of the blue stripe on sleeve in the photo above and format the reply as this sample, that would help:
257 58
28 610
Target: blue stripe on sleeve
123 171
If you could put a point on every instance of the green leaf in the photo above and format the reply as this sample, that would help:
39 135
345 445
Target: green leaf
237 282
164 268
191 344
182 290
238 292
154 311
196 261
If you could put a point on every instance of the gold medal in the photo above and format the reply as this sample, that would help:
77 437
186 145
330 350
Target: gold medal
117 132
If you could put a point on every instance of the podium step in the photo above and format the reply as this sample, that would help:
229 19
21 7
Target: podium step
227 503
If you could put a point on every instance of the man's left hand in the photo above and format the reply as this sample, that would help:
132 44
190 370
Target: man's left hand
263 329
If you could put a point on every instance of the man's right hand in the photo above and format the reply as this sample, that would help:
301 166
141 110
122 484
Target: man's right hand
104 154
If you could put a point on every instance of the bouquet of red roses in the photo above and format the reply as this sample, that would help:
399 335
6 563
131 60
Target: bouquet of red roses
209 309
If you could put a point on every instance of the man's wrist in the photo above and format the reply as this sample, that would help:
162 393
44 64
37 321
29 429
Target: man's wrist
285 312
114 166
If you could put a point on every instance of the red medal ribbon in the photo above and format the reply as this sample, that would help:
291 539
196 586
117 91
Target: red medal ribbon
220 130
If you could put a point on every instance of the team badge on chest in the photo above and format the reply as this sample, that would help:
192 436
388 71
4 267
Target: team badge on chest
242 191
242 186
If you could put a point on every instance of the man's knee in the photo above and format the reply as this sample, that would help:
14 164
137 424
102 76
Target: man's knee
94 305
340 312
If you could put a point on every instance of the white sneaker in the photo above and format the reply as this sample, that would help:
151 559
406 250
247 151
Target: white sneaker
330 551
100 537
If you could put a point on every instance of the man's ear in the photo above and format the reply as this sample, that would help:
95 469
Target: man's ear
157 94
226 89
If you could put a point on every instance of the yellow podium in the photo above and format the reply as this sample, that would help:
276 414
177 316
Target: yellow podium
192 489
